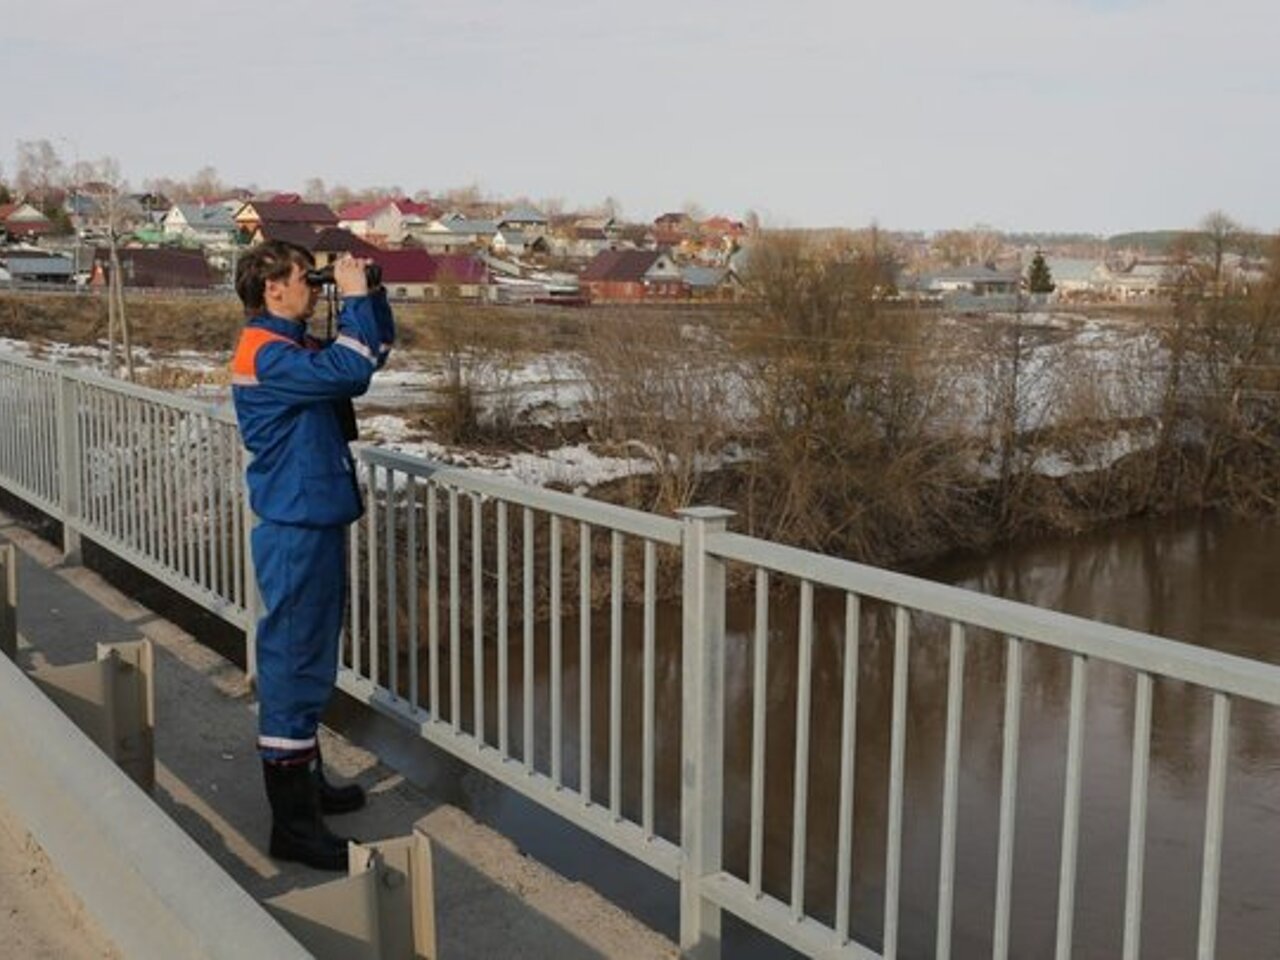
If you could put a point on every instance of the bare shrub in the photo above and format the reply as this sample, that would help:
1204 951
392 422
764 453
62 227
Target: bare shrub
853 450
660 388
479 358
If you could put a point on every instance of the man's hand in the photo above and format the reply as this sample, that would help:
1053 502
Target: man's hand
348 275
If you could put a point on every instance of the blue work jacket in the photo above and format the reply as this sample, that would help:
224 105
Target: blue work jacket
286 387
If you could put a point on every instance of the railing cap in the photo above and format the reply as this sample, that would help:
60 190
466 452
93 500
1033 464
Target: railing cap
706 514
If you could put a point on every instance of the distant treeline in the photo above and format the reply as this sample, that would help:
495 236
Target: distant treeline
1166 242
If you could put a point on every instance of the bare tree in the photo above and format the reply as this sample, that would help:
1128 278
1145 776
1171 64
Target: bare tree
107 172
1221 235
962 248
205 184
611 208
693 210
463 197
313 190
39 169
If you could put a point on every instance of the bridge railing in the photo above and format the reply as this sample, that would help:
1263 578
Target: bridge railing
154 478
493 619
458 581
914 608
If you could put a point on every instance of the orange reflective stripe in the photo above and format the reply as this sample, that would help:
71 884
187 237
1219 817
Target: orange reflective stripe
252 339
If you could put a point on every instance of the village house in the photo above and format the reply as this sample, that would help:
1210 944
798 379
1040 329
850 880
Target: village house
86 214
583 238
299 234
633 275
149 267
325 245
672 229
22 221
332 242
1137 280
459 275
414 274
456 233
254 213
525 220
711 283
386 222
95 208
977 281
204 224
1076 278
516 243
35 266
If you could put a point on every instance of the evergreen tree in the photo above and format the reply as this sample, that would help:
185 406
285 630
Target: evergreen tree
1040 278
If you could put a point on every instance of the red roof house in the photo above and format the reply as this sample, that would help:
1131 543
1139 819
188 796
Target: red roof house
415 273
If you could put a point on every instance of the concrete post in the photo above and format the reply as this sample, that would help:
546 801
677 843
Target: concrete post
702 762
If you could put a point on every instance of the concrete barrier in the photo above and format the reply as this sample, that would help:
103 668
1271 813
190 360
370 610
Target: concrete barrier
151 888
8 601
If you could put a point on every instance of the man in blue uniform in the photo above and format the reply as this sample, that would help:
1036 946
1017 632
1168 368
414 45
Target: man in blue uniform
292 397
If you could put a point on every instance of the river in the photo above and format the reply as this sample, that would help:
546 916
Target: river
1204 580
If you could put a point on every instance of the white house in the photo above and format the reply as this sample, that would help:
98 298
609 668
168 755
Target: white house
455 233
205 224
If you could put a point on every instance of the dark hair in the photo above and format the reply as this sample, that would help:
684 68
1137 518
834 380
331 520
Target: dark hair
271 260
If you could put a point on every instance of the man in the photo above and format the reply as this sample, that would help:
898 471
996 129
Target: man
292 397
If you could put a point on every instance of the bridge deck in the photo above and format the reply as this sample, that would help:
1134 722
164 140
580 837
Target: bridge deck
490 899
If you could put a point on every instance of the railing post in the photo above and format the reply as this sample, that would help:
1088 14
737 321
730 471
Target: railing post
69 456
702 755
252 598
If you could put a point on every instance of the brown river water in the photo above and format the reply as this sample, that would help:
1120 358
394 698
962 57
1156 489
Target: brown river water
1202 580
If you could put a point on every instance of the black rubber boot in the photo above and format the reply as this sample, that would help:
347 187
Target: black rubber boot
336 799
297 831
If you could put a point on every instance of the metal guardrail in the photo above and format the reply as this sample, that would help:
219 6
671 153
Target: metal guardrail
461 570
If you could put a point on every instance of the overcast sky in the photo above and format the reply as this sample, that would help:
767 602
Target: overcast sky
1088 115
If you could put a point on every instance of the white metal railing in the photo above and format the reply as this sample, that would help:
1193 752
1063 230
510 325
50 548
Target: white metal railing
459 589
155 479
427 531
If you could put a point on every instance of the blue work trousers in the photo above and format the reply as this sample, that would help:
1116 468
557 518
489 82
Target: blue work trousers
301 575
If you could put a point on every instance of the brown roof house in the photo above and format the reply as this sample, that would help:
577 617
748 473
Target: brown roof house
154 267
634 275
459 275
332 242
299 234
418 275
255 213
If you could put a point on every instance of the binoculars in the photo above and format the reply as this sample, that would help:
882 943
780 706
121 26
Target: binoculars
323 276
